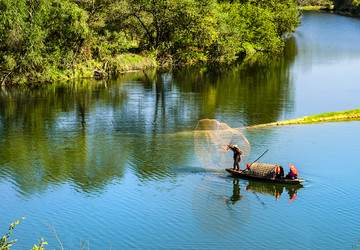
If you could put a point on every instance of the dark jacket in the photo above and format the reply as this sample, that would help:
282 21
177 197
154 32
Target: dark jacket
237 152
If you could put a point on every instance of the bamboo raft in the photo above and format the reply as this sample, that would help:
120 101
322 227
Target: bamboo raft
266 172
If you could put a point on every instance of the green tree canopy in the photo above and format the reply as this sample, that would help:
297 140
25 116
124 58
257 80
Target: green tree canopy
42 36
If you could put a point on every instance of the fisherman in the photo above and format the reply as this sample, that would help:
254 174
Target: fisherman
293 172
237 155
291 175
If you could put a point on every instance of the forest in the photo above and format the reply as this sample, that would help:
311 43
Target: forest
48 40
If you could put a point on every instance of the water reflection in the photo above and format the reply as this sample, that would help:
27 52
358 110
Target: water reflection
236 193
256 92
218 206
221 203
88 132
273 189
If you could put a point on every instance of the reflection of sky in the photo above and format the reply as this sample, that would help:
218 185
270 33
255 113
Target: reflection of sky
328 88
327 65
66 121
332 39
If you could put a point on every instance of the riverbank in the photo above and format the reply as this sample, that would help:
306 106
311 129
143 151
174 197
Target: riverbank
329 8
112 66
348 115
99 40
349 9
317 7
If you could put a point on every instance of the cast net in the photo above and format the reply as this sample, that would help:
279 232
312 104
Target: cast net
210 140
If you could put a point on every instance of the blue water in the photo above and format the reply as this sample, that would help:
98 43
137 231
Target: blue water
328 57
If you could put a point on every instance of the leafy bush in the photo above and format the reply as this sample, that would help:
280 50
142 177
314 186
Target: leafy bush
5 244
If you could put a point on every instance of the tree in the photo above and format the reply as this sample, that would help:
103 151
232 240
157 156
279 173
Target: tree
259 25
350 6
36 33
167 25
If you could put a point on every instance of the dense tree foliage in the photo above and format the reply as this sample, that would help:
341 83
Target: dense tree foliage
39 34
349 6
50 39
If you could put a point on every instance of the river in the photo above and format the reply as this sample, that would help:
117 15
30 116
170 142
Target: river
112 165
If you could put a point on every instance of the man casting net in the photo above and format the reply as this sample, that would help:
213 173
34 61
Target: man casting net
213 140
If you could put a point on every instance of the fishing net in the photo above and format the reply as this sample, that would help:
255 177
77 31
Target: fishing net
210 140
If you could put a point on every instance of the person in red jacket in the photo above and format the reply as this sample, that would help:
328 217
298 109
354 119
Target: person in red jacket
291 175
237 155
293 172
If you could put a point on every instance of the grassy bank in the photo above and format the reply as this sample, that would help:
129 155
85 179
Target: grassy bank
325 117
79 70
318 7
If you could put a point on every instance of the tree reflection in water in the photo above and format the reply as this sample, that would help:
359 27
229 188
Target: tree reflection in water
273 189
88 133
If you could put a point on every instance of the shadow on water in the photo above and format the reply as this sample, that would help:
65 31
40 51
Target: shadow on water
89 133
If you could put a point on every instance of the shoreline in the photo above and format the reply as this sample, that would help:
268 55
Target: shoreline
98 70
330 9
348 115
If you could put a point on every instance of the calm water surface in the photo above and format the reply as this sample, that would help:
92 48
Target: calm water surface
113 165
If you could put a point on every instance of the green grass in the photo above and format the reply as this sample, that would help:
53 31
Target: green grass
128 62
116 64
325 117
317 7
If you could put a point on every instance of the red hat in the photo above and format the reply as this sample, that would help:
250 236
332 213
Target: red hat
293 169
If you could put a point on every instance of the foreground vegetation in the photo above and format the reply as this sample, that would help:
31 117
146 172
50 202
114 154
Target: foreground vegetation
325 117
61 39
6 244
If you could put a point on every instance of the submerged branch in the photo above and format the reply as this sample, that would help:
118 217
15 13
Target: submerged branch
52 229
